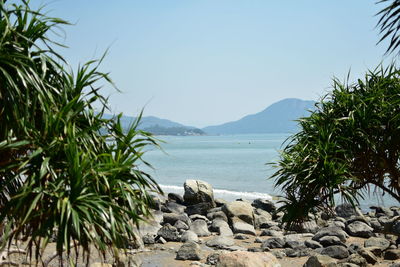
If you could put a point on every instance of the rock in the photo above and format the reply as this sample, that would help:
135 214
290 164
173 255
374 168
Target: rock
235 248
241 210
161 240
382 210
169 233
273 242
199 208
377 242
357 260
268 232
240 227
359 229
261 217
189 236
213 258
189 251
219 202
220 242
320 261
391 254
221 227
200 228
175 198
173 207
377 251
197 191
305 227
395 264
337 252
172 218
247 259
241 237
331 231
264 204
149 239
312 244
179 225
347 210
199 217
337 224
217 215
368 255
327 241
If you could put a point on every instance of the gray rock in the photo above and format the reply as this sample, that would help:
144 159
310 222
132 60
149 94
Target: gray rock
197 191
241 227
331 231
173 207
241 237
149 239
294 244
347 210
268 232
383 210
391 254
337 252
199 217
359 229
169 233
320 261
327 241
213 258
199 208
189 251
217 215
241 210
172 218
189 236
273 242
220 242
357 260
337 224
269 224
179 225
305 227
200 228
264 204
368 255
175 198
221 227
312 244
377 242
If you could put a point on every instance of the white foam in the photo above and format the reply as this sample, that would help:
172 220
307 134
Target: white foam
221 193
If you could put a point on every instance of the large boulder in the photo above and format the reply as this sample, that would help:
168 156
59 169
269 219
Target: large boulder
264 204
239 209
172 218
189 251
169 233
222 227
379 242
197 191
200 228
247 259
241 227
331 231
346 210
337 252
359 229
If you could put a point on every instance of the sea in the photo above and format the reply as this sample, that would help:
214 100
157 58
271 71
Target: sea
237 166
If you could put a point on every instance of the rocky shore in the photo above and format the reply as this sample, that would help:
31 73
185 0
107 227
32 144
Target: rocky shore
198 230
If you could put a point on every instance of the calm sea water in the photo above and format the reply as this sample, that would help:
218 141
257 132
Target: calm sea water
236 166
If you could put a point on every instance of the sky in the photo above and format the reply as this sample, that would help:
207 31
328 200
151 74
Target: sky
206 62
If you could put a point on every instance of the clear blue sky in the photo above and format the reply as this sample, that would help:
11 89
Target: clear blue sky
204 62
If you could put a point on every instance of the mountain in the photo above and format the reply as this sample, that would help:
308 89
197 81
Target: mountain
277 118
159 126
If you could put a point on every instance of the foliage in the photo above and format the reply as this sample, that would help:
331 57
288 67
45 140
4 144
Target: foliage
65 171
389 24
348 144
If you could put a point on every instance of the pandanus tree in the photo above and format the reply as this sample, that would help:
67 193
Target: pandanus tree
66 173
350 143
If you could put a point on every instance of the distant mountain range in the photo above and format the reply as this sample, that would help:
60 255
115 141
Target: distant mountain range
277 118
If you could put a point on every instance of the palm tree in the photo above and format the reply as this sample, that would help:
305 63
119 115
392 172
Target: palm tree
66 173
